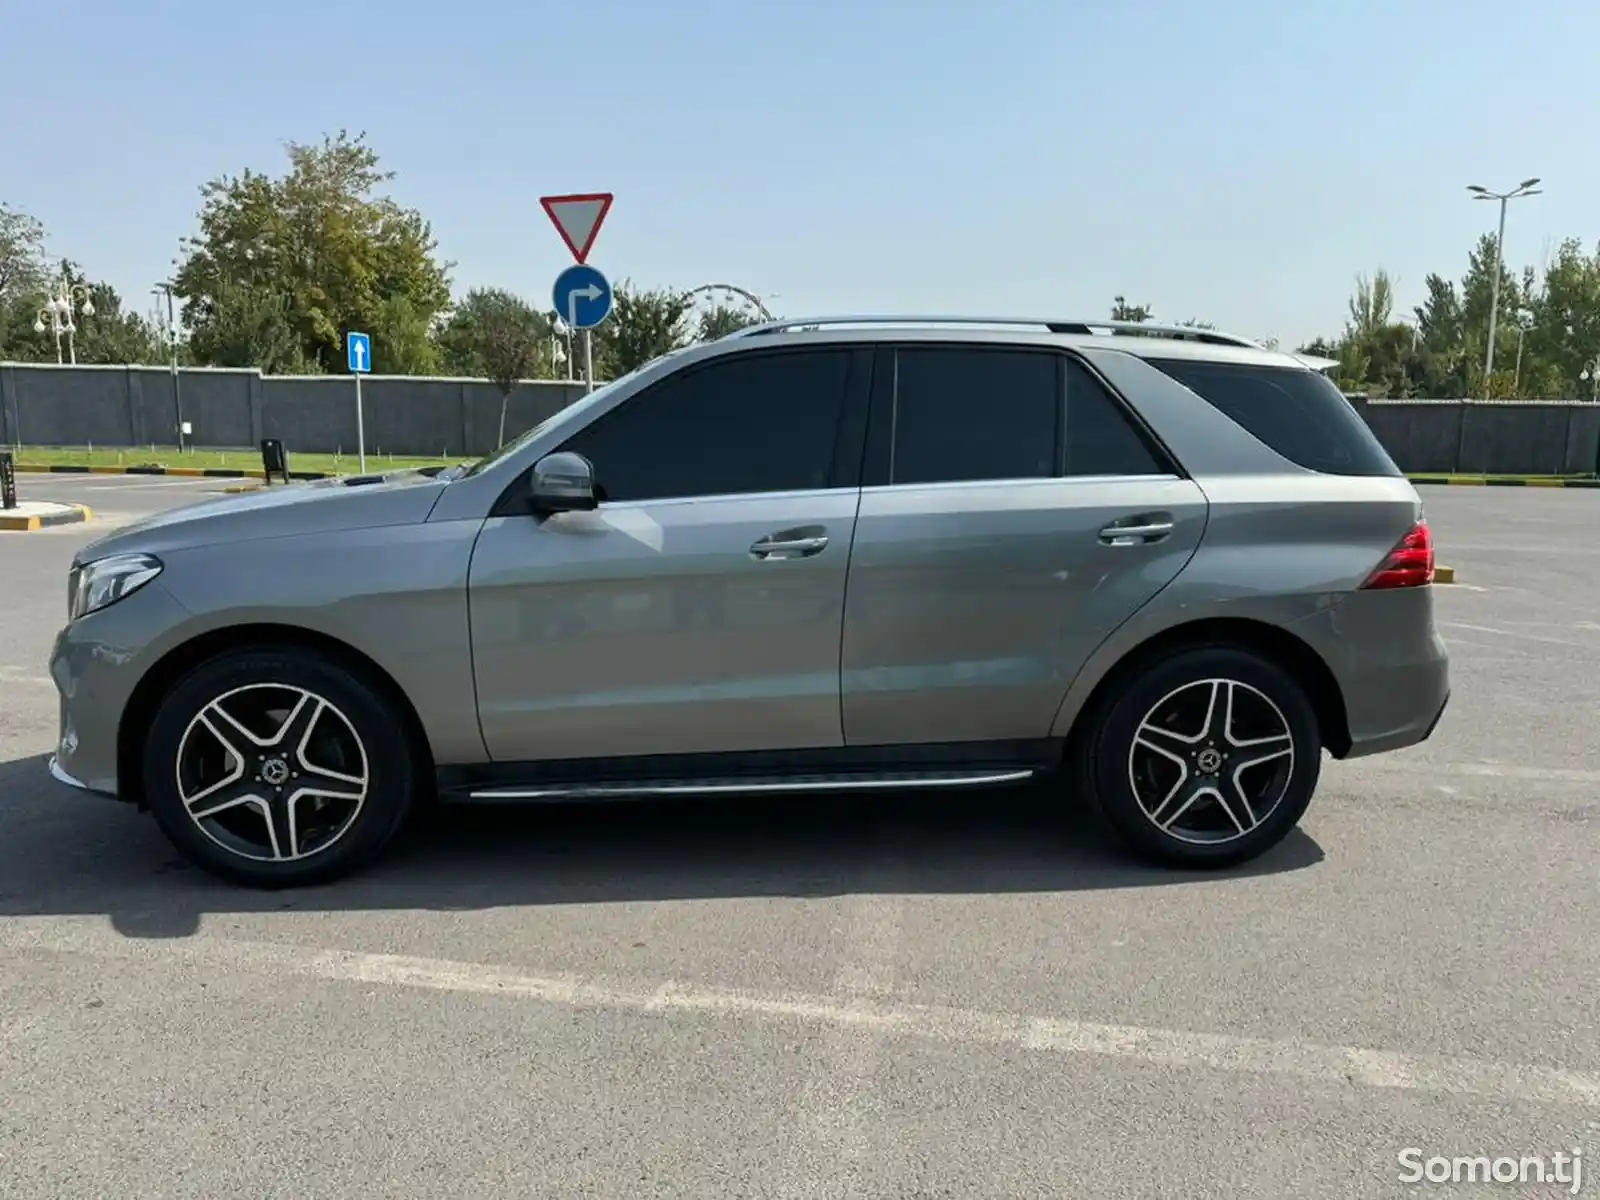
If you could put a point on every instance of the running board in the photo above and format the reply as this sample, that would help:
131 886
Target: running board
753 785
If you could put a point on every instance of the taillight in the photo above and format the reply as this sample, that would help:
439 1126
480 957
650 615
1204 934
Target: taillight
1410 563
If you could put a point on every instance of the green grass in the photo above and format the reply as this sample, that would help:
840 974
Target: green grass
1481 475
245 460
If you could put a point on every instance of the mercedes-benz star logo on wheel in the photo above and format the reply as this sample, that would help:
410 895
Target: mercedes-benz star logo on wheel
275 771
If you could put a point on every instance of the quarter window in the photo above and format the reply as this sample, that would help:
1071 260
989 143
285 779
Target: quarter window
751 423
1297 412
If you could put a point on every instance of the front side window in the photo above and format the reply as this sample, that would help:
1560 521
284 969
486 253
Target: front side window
748 423
971 413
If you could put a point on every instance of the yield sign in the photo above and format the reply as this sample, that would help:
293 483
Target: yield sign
578 219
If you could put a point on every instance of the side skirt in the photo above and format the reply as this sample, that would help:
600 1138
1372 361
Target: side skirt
833 769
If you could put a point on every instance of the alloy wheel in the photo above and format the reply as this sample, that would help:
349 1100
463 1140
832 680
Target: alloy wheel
1211 761
272 773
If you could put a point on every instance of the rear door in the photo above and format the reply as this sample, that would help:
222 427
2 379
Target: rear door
1013 515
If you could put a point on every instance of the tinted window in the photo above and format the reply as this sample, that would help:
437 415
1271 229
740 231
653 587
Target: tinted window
1299 413
1101 438
752 423
962 413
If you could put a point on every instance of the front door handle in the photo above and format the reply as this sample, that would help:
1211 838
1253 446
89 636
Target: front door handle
1145 531
791 543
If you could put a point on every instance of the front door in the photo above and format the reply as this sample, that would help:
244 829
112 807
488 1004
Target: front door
1013 517
699 608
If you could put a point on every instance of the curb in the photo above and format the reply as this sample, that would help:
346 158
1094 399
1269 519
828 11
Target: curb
1498 481
182 472
73 514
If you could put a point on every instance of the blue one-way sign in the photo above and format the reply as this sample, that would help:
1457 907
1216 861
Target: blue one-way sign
582 297
358 350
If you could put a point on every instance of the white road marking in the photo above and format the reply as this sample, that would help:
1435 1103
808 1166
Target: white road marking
24 675
124 483
1512 633
1349 1066
1484 770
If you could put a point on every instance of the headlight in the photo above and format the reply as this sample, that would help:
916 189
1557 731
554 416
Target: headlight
106 580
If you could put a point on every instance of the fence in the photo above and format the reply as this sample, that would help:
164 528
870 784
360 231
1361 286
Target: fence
1487 437
138 406
48 405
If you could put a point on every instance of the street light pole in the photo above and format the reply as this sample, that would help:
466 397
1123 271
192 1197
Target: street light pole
1591 373
1525 188
165 288
56 315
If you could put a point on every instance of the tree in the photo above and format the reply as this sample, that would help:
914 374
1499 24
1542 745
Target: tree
109 335
1563 324
106 334
644 325
495 335
1121 310
722 320
23 269
323 243
249 325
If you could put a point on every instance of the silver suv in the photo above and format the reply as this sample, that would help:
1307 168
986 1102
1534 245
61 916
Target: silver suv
1160 568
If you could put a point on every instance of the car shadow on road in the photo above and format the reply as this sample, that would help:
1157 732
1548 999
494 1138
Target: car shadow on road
65 853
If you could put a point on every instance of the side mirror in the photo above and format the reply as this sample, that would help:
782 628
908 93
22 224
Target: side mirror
562 482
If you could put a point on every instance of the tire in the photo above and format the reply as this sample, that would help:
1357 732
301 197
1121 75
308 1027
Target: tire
1227 803
339 787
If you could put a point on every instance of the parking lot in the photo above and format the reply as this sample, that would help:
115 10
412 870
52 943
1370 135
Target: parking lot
914 997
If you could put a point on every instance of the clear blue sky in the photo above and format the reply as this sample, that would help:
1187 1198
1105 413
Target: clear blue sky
1238 161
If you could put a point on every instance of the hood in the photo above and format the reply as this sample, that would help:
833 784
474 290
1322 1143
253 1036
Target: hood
322 506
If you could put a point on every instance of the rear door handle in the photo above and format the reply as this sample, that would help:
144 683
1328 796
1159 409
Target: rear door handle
779 546
1135 535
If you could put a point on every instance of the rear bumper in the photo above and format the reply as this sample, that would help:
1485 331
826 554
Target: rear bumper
1391 666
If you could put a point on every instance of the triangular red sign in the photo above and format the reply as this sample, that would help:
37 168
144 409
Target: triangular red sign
578 219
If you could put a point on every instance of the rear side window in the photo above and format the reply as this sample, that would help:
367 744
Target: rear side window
1101 440
1298 413
965 414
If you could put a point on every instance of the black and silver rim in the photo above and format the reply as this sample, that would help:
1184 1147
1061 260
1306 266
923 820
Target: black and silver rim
1211 761
272 773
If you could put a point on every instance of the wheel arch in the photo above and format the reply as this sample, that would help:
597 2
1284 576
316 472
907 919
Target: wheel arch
139 712
1272 642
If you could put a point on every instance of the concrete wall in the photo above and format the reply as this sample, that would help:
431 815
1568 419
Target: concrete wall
1534 437
136 406
133 406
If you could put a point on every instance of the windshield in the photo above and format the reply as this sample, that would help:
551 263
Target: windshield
565 414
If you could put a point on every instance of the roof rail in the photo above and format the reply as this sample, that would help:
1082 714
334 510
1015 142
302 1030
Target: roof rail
1210 337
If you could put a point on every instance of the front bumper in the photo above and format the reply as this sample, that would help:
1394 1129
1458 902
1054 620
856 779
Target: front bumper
96 663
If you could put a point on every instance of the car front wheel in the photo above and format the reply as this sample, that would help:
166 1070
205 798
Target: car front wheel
278 768
1207 758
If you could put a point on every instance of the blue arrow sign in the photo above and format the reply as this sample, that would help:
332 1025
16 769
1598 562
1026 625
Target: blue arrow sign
358 352
582 297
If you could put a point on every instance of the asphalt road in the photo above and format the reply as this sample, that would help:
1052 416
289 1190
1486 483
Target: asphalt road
904 998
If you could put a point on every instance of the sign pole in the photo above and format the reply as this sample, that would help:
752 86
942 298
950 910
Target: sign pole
358 357
361 430
582 294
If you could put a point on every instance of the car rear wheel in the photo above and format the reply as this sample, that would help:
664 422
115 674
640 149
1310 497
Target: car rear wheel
278 768
1207 758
